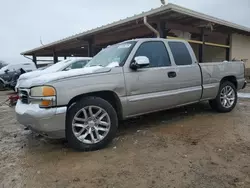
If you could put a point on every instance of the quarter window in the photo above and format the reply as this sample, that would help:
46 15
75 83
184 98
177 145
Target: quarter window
180 53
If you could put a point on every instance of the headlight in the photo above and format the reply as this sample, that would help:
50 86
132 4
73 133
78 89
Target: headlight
45 96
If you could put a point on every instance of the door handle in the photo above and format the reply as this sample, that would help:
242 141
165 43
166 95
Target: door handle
171 74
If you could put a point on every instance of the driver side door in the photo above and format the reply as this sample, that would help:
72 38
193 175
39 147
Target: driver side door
148 87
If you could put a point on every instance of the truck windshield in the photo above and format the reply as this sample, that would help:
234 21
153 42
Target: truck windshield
117 53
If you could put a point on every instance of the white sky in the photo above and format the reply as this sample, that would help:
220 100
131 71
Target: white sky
22 23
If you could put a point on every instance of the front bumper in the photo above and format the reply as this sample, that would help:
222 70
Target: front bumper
47 122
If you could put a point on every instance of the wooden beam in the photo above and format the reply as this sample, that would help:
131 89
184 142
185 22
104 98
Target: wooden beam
191 41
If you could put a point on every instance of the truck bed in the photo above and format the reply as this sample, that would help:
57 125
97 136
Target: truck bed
214 72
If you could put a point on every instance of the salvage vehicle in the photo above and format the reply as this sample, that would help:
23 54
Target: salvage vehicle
65 65
10 70
124 80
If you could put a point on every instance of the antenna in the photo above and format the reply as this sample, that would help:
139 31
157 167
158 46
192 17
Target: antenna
41 41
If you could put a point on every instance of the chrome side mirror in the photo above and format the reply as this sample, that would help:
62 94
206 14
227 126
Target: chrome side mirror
139 62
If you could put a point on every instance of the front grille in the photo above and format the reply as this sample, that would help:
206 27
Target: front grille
24 96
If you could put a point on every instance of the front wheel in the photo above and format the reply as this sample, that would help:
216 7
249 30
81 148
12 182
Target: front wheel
91 124
226 98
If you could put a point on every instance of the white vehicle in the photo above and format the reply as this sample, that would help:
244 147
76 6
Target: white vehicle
65 65
29 66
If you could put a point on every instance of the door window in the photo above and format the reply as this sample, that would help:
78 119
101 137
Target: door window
77 65
156 52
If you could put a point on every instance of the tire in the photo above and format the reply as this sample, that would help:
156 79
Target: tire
76 136
218 103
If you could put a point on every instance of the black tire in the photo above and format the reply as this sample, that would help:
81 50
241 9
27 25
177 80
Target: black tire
216 103
88 101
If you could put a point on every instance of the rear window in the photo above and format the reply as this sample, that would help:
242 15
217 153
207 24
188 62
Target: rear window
180 53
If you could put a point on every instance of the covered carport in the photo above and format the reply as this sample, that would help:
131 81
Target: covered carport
210 37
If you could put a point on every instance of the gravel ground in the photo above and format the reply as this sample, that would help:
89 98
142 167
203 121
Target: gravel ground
185 147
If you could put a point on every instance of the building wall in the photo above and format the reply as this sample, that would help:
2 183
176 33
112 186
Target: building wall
214 54
240 48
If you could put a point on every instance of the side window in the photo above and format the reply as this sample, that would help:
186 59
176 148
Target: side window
180 53
77 65
156 52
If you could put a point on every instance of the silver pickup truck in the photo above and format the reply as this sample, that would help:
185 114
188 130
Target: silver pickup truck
124 80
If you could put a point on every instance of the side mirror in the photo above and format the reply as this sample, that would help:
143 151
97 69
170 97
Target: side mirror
139 62
6 71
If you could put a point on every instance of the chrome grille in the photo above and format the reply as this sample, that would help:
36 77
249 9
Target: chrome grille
24 96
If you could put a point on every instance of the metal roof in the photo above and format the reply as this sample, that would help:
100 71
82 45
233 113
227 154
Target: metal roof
152 12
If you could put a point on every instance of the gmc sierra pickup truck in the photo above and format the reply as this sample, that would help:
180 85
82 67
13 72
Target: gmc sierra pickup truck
124 80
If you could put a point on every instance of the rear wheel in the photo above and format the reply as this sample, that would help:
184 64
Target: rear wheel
226 98
91 124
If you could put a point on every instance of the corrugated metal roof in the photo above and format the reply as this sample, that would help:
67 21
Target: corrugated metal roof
152 12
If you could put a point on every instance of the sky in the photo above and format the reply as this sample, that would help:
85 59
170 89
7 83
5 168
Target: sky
24 23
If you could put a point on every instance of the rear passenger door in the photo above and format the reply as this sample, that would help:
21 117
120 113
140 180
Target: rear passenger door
188 75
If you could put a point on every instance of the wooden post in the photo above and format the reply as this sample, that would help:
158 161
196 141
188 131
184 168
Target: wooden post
201 46
55 57
34 59
90 47
228 49
163 29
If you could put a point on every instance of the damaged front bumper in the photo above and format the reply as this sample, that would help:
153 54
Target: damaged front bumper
49 122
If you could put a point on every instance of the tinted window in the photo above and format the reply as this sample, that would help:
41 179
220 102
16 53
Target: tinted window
156 52
180 53
79 64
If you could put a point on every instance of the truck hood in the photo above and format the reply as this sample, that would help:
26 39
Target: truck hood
49 77
31 74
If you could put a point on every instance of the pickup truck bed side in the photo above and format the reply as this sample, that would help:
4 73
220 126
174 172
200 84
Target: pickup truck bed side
213 73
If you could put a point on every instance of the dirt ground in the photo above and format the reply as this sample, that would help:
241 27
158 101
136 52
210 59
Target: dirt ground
187 147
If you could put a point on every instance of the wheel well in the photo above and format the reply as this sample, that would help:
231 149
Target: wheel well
231 79
109 96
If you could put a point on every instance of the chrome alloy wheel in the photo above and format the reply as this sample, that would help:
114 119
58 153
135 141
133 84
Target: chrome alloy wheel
227 96
91 124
